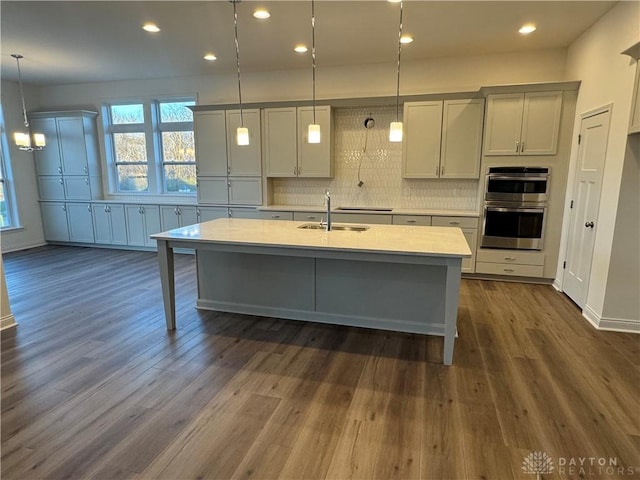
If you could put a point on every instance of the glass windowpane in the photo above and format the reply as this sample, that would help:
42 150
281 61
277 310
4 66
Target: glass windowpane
130 147
180 178
176 112
127 114
5 220
178 147
133 178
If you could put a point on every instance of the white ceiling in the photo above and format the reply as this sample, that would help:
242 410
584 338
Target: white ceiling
89 41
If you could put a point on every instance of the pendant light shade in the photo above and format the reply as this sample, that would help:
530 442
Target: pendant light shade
395 129
313 133
25 140
242 133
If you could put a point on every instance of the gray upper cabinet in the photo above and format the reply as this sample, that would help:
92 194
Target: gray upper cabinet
421 139
244 160
211 143
68 167
522 123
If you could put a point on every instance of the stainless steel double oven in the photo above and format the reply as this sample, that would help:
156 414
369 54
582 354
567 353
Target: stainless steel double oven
515 207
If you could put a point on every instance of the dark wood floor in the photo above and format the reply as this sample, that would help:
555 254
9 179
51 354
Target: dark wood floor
93 386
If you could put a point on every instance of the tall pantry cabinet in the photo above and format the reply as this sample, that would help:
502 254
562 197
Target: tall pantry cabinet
69 174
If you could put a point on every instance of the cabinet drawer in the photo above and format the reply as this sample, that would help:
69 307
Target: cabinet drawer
510 257
423 220
506 269
462 222
276 215
308 216
361 218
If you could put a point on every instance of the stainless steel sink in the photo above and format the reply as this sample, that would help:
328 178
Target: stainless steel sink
348 228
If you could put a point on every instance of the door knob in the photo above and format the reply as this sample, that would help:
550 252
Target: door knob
589 224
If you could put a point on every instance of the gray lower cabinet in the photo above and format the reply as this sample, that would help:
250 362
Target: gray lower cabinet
109 224
54 221
308 216
366 218
206 214
177 216
142 221
80 220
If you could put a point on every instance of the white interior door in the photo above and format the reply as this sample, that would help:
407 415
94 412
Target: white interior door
594 132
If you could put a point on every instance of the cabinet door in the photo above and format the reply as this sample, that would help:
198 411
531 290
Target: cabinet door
80 218
54 221
51 188
315 159
245 191
101 223
213 190
245 159
211 143
72 146
169 217
77 188
135 225
151 218
118 225
421 139
541 123
461 138
188 215
48 161
250 213
206 214
280 143
469 264
503 124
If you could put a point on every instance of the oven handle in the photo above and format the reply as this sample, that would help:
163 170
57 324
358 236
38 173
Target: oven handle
520 178
514 209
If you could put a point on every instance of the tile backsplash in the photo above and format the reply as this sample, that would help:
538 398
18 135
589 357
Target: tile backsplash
367 155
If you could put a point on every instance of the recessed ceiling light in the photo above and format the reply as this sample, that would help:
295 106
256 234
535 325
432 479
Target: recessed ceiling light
261 13
406 39
210 56
301 49
527 29
150 27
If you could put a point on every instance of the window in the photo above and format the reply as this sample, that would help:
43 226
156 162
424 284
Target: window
8 217
151 146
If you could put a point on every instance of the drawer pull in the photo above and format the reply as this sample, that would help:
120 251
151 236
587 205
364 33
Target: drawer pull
275 216
312 217
510 259
454 223
509 270
411 221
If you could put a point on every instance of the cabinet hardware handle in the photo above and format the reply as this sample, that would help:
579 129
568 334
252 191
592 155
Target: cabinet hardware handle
89 208
86 181
437 169
230 214
142 210
275 216
228 170
299 171
109 209
64 208
178 211
510 259
295 170
61 182
522 147
86 170
411 221
442 170
454 223
509 270
59 169
517 147
228 184
311 217
589 224
105 209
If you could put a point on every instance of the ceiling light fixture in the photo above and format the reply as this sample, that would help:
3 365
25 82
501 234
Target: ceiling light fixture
150 27
210 57
242 133
405 39
301 49
261 14
527 29
395 129
313 133
22 139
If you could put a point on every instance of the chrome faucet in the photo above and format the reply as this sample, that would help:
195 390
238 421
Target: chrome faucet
327 197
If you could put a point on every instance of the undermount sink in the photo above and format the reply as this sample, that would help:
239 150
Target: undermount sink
348 228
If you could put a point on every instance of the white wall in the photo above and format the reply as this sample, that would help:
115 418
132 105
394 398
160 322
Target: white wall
30 233
607 77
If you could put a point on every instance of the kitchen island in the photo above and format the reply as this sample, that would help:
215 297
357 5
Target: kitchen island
390 277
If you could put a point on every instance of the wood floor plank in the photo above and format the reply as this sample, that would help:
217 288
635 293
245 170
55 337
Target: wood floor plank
94 386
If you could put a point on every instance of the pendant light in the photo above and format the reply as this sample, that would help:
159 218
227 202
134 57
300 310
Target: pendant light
24 139
395 130
242 132
313 134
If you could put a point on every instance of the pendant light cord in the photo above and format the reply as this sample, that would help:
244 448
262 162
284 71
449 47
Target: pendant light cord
24 106
313 56
235 26
398 67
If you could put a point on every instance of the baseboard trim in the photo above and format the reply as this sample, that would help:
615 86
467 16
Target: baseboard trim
610 324
8 321
19 248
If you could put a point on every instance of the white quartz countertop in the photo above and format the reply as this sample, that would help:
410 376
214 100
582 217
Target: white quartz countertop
389 239
394 211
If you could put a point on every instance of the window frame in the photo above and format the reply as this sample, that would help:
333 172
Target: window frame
6 179
152 129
